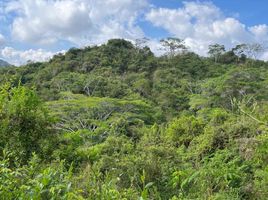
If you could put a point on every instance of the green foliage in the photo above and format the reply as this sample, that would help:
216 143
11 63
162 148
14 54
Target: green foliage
34 181
115 122
24 122
184 129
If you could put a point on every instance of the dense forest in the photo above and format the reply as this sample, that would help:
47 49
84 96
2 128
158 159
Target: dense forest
117 122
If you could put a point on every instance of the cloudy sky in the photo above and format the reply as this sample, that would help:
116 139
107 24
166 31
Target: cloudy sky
37 29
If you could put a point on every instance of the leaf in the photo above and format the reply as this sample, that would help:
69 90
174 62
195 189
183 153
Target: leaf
149 185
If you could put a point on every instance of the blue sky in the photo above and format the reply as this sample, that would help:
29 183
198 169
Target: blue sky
37 29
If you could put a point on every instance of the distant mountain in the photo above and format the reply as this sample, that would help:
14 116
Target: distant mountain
4 63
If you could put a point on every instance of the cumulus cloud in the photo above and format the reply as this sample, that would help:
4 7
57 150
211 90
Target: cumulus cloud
202 24
260 32
18 57
86 22
77 21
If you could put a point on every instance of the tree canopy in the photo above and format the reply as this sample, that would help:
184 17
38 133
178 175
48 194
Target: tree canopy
116 122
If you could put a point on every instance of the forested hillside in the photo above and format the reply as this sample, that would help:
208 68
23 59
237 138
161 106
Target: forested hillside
116 122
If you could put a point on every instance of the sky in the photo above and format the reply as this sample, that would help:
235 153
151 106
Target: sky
37 29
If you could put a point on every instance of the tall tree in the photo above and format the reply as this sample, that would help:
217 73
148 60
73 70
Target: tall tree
215 51
254 50
173 46
240 51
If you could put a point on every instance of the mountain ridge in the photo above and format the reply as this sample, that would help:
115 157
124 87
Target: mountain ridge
4 63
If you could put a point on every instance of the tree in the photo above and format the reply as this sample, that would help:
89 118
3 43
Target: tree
173 46
254 50
215 51
240 51
24 123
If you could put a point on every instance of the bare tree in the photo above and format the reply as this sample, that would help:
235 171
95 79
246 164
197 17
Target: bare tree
254 50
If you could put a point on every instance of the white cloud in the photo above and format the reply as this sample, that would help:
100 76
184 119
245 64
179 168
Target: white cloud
18 57
156 47
77 21
202 12
260 32
201 24
85 22
264 56
175 21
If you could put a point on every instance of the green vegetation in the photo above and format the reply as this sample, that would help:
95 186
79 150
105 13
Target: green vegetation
116 122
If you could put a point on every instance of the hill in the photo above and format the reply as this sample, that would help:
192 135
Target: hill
116 122
4 63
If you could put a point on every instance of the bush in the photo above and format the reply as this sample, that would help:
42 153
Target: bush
24 122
